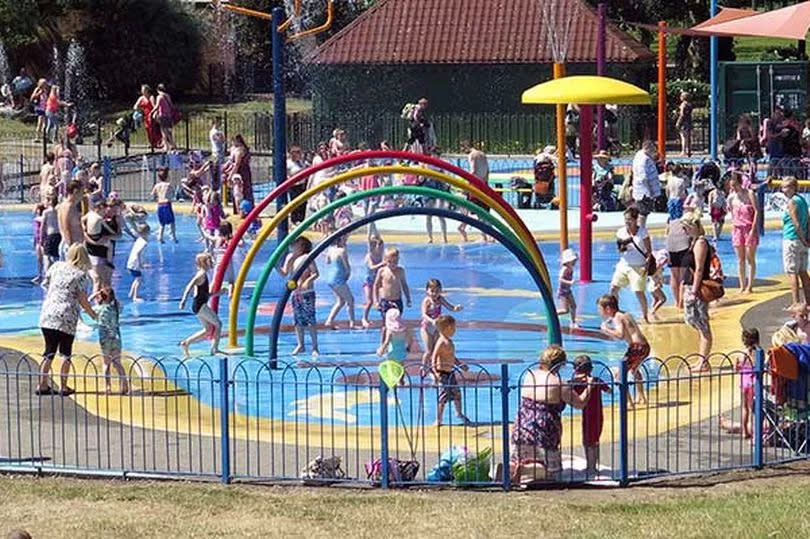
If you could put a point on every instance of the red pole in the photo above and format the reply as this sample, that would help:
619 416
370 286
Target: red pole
586 216
662 91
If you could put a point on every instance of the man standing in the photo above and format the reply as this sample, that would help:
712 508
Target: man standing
69 215
419 130
479 167
634 244
646 187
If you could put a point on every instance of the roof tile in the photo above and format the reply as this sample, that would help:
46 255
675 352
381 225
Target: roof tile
468 31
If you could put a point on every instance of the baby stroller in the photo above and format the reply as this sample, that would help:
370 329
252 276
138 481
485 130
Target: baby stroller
603 197
543 182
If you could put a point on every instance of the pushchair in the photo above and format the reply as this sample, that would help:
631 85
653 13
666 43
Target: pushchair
543 183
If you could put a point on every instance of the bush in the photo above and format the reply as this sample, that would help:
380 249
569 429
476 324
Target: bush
130 42
699 91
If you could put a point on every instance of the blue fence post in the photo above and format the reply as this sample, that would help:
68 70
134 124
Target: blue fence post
384 434
761 203
224 421
106 171
22 179
623 394
759 367
507 476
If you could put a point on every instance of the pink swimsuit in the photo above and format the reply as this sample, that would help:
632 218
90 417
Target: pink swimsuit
742 222
434 314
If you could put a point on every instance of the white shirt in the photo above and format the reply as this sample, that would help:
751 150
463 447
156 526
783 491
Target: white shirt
217 139
293 168
134 261
632 255
645 177
675 185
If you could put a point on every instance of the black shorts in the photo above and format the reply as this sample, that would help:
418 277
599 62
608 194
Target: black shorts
51 245
57 340
678 259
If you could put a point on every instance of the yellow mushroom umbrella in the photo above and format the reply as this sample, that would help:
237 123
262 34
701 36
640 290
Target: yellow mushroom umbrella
584 90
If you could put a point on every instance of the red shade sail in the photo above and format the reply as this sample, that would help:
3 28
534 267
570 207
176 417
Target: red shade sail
790 22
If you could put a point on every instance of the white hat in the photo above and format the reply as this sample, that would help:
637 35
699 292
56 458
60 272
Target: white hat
568 256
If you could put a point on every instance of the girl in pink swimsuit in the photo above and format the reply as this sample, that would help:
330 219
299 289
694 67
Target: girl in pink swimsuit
431 310
744 233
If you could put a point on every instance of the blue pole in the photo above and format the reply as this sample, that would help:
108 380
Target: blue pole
713 83
623 394
384 481
22 179
761 201
759 367
106 169
224 427
279 115
507 476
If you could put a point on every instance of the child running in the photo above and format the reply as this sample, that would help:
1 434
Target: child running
164 193
337 256
592 416
431 311
303 296
219 243
626 328
109 337
135 261
568 305
389 285
398 338
443 361
199 306
656 281
373 262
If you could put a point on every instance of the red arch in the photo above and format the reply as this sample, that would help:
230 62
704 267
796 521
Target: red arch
356 156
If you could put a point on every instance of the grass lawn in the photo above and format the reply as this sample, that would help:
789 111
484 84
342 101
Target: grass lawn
765 504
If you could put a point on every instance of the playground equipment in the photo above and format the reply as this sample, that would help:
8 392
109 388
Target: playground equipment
278 27
586 91
516 237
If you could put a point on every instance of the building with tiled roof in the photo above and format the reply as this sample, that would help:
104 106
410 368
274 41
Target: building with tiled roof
465 55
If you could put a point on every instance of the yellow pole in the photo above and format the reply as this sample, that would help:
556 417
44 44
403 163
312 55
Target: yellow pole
562 180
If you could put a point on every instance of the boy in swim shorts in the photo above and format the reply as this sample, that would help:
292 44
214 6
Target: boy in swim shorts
164 192
443 361
626 328
389 284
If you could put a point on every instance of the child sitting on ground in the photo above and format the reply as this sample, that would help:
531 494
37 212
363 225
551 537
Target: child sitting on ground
109 337
443 361
592 417
568 259
431 311
626 328
389 284
656 281
303 296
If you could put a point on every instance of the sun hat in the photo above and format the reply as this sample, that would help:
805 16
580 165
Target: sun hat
569 255
246 205
583 364
114 198
393 321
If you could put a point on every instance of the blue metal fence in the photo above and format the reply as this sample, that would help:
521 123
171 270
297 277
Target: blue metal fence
235 419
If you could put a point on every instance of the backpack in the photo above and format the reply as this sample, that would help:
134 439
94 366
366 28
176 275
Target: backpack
408 111
398 470
321 468
715 267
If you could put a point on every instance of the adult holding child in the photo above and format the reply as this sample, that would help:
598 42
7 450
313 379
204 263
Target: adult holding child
633 242
146 104
537 433
66 292
795 240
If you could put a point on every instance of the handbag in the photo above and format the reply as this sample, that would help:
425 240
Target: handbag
710 290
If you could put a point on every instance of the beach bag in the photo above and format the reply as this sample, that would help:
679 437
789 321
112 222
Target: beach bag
407 111
321 468
711 289
473 469
398 470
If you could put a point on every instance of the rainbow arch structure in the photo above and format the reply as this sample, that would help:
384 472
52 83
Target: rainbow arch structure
519 239
505 235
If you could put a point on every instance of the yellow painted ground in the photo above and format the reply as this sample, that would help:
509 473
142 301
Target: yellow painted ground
164 406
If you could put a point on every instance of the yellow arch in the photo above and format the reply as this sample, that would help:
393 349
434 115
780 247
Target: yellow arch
288 208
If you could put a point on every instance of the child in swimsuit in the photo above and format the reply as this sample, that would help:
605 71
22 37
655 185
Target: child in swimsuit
213 213
398 338
39 250
568 260
717 210
373 262
656 281
626 328
337 278
431 311
109 337
208 318
219 243
389 284
303 296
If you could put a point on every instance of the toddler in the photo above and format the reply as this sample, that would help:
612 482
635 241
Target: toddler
337 256
109 337
568 305
431 311
592 417
444 360
745 366
717 210
398 338
373 262
135 261
656 280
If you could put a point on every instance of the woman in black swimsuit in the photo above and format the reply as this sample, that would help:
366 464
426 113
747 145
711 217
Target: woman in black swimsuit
212 326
